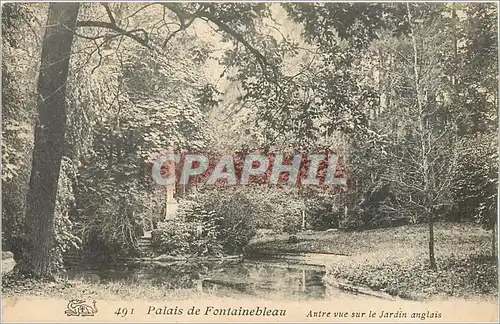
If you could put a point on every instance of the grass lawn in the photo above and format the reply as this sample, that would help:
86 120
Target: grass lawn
69 289
395 260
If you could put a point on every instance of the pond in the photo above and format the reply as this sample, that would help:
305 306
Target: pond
265 277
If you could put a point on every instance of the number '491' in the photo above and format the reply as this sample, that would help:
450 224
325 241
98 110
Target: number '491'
124 312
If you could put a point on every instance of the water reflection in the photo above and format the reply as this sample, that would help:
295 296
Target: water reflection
258 278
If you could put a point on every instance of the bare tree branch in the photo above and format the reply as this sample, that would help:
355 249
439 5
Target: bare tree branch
109 12
182 16
129 33
140 9
208 17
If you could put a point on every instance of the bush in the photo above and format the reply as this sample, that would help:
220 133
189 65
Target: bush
322 214
374 208
109 229
171 238
236 214
476 180
194 232
210 223
277 209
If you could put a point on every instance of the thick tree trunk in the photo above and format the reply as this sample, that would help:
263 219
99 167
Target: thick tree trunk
49 139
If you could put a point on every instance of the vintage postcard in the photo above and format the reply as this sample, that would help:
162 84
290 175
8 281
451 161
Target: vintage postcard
249 161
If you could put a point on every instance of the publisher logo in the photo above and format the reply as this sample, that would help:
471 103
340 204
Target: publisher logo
77 307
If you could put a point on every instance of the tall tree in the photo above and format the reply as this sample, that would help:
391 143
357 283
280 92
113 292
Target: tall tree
49 138
422 148
230 19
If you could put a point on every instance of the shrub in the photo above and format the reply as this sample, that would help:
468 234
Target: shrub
292 223
322 214
235 224
476 180
209 223
278 209
109 229
171 238
374 208
194 232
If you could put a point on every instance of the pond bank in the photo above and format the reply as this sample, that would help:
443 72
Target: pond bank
260 279
393 261
323 261
384 263
167 258
68 289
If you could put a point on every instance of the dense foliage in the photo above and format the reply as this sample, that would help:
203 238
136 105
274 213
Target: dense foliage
405 93
213 224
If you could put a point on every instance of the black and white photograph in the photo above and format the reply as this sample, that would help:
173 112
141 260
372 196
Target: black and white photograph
249 161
